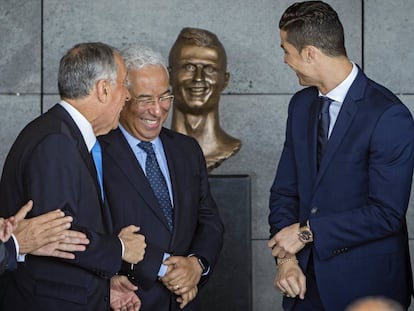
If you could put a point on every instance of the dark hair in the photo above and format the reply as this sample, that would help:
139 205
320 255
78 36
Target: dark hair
199 37
82 66
314 23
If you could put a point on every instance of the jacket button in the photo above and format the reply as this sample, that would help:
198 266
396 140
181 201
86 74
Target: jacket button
314 210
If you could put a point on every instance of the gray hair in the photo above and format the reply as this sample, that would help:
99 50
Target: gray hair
137 57
83 65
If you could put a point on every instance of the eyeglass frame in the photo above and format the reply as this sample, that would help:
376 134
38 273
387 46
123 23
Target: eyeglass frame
146 102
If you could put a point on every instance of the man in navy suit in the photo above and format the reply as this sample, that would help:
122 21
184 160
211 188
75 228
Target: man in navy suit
338 225
183 244
51 163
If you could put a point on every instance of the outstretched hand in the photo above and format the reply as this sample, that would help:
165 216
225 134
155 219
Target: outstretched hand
122 294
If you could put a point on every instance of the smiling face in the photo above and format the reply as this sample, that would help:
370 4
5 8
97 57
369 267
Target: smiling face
198 76
140 118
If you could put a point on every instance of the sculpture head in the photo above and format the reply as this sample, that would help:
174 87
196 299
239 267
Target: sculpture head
198 71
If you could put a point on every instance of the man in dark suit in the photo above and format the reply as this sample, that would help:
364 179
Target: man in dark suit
339 200
51 163
185 225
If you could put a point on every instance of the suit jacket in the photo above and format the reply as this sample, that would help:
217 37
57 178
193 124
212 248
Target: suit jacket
3 257
356 203
197 225
49 163
7 256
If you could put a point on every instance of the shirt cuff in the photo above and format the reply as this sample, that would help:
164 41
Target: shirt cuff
19 257
163 268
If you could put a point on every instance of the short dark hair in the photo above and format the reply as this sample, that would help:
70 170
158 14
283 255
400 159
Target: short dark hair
83 65
314 23
199 37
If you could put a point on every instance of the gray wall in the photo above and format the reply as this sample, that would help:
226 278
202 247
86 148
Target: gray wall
35 33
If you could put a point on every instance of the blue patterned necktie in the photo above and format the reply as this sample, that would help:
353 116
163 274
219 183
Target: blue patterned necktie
97 159
323 126
157 182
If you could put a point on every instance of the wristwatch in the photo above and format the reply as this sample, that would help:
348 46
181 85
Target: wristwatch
305 234
203 264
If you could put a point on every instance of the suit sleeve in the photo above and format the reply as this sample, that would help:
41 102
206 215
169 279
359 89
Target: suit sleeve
284 197
7 256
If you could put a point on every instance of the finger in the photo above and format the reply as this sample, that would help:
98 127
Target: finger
271 243
62 254
172 260
76 234
132 228
68 247
21 214
61 223
275 251
282 254
302 284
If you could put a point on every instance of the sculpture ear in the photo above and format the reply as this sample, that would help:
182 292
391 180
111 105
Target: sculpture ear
226 79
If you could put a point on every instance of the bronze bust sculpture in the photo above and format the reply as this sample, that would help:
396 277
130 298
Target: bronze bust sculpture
198 64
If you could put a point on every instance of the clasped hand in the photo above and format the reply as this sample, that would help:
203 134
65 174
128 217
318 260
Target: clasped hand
286 242
182 277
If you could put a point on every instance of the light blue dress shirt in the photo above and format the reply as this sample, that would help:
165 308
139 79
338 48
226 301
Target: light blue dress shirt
141 157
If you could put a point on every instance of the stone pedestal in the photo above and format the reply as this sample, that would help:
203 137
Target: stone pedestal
229 288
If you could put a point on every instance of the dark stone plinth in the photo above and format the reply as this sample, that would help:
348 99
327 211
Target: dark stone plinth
229 287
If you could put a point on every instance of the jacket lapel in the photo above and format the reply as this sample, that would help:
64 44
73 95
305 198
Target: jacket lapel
346 115
116 146
173 156
70 129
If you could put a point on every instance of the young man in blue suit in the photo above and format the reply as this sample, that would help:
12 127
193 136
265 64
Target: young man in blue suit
339 199
53 162
177 215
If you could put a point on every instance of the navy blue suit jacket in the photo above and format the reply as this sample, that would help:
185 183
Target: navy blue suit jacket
49 163
356 203
197 225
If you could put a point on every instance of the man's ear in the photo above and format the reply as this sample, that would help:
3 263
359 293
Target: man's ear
309 53
102 90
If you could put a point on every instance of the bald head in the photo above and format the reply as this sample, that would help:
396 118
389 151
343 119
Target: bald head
375 304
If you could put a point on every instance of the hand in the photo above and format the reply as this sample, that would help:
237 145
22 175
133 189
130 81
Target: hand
6 229
290 280
74 241
122 294
186 298
8 225
36 232
134 244
183 274
286 242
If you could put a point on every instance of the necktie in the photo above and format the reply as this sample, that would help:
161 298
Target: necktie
157 182
97 159
323 126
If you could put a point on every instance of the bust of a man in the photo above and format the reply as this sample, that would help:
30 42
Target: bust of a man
198 73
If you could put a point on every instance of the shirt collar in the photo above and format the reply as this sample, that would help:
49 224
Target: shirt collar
338 94
82 123
133 141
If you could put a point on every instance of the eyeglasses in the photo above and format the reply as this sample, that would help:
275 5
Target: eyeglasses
147 102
